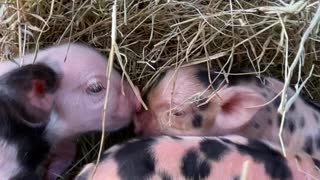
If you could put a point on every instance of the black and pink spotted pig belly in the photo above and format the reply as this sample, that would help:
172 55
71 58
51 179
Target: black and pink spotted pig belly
184 102
191 157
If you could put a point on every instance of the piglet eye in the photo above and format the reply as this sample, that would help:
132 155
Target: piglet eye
177 113
95 88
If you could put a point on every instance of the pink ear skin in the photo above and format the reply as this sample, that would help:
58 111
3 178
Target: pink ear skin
38 97
236 108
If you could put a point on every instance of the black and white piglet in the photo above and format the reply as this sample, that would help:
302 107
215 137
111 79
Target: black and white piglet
26 99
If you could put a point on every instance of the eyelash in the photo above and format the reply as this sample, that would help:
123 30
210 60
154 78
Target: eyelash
95 88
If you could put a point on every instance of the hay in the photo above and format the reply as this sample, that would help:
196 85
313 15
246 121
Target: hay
153 35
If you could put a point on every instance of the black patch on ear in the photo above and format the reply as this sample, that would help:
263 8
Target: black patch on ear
20 79
308 145
192 167
274 163
197 121
213 149
316 162
135 159
302 122
165 176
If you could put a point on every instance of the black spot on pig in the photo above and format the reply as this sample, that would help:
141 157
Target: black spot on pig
213 149
291 126
236 178
197 121
135 159
316 162
192 167
256 125
308 145
270 121
165 176
274 163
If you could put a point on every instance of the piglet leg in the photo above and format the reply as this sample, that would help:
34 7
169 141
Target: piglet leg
60 159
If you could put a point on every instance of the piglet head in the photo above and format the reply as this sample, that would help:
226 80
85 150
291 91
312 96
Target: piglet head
80 99
189 108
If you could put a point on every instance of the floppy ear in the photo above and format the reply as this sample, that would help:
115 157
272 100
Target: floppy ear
236 108
33 86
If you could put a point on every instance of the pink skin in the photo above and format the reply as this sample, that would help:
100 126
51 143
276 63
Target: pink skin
169 154
232 110
80 98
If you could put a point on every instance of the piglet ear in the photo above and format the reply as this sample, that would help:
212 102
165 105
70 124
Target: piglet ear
237 107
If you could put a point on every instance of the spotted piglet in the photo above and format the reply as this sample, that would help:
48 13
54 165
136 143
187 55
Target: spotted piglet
26 98
184 102
79 100
194 157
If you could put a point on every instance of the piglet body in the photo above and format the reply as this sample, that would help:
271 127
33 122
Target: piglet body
191 157
184 102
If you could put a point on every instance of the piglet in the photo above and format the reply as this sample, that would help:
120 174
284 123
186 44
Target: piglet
192 157
26 98
186 101
79 100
